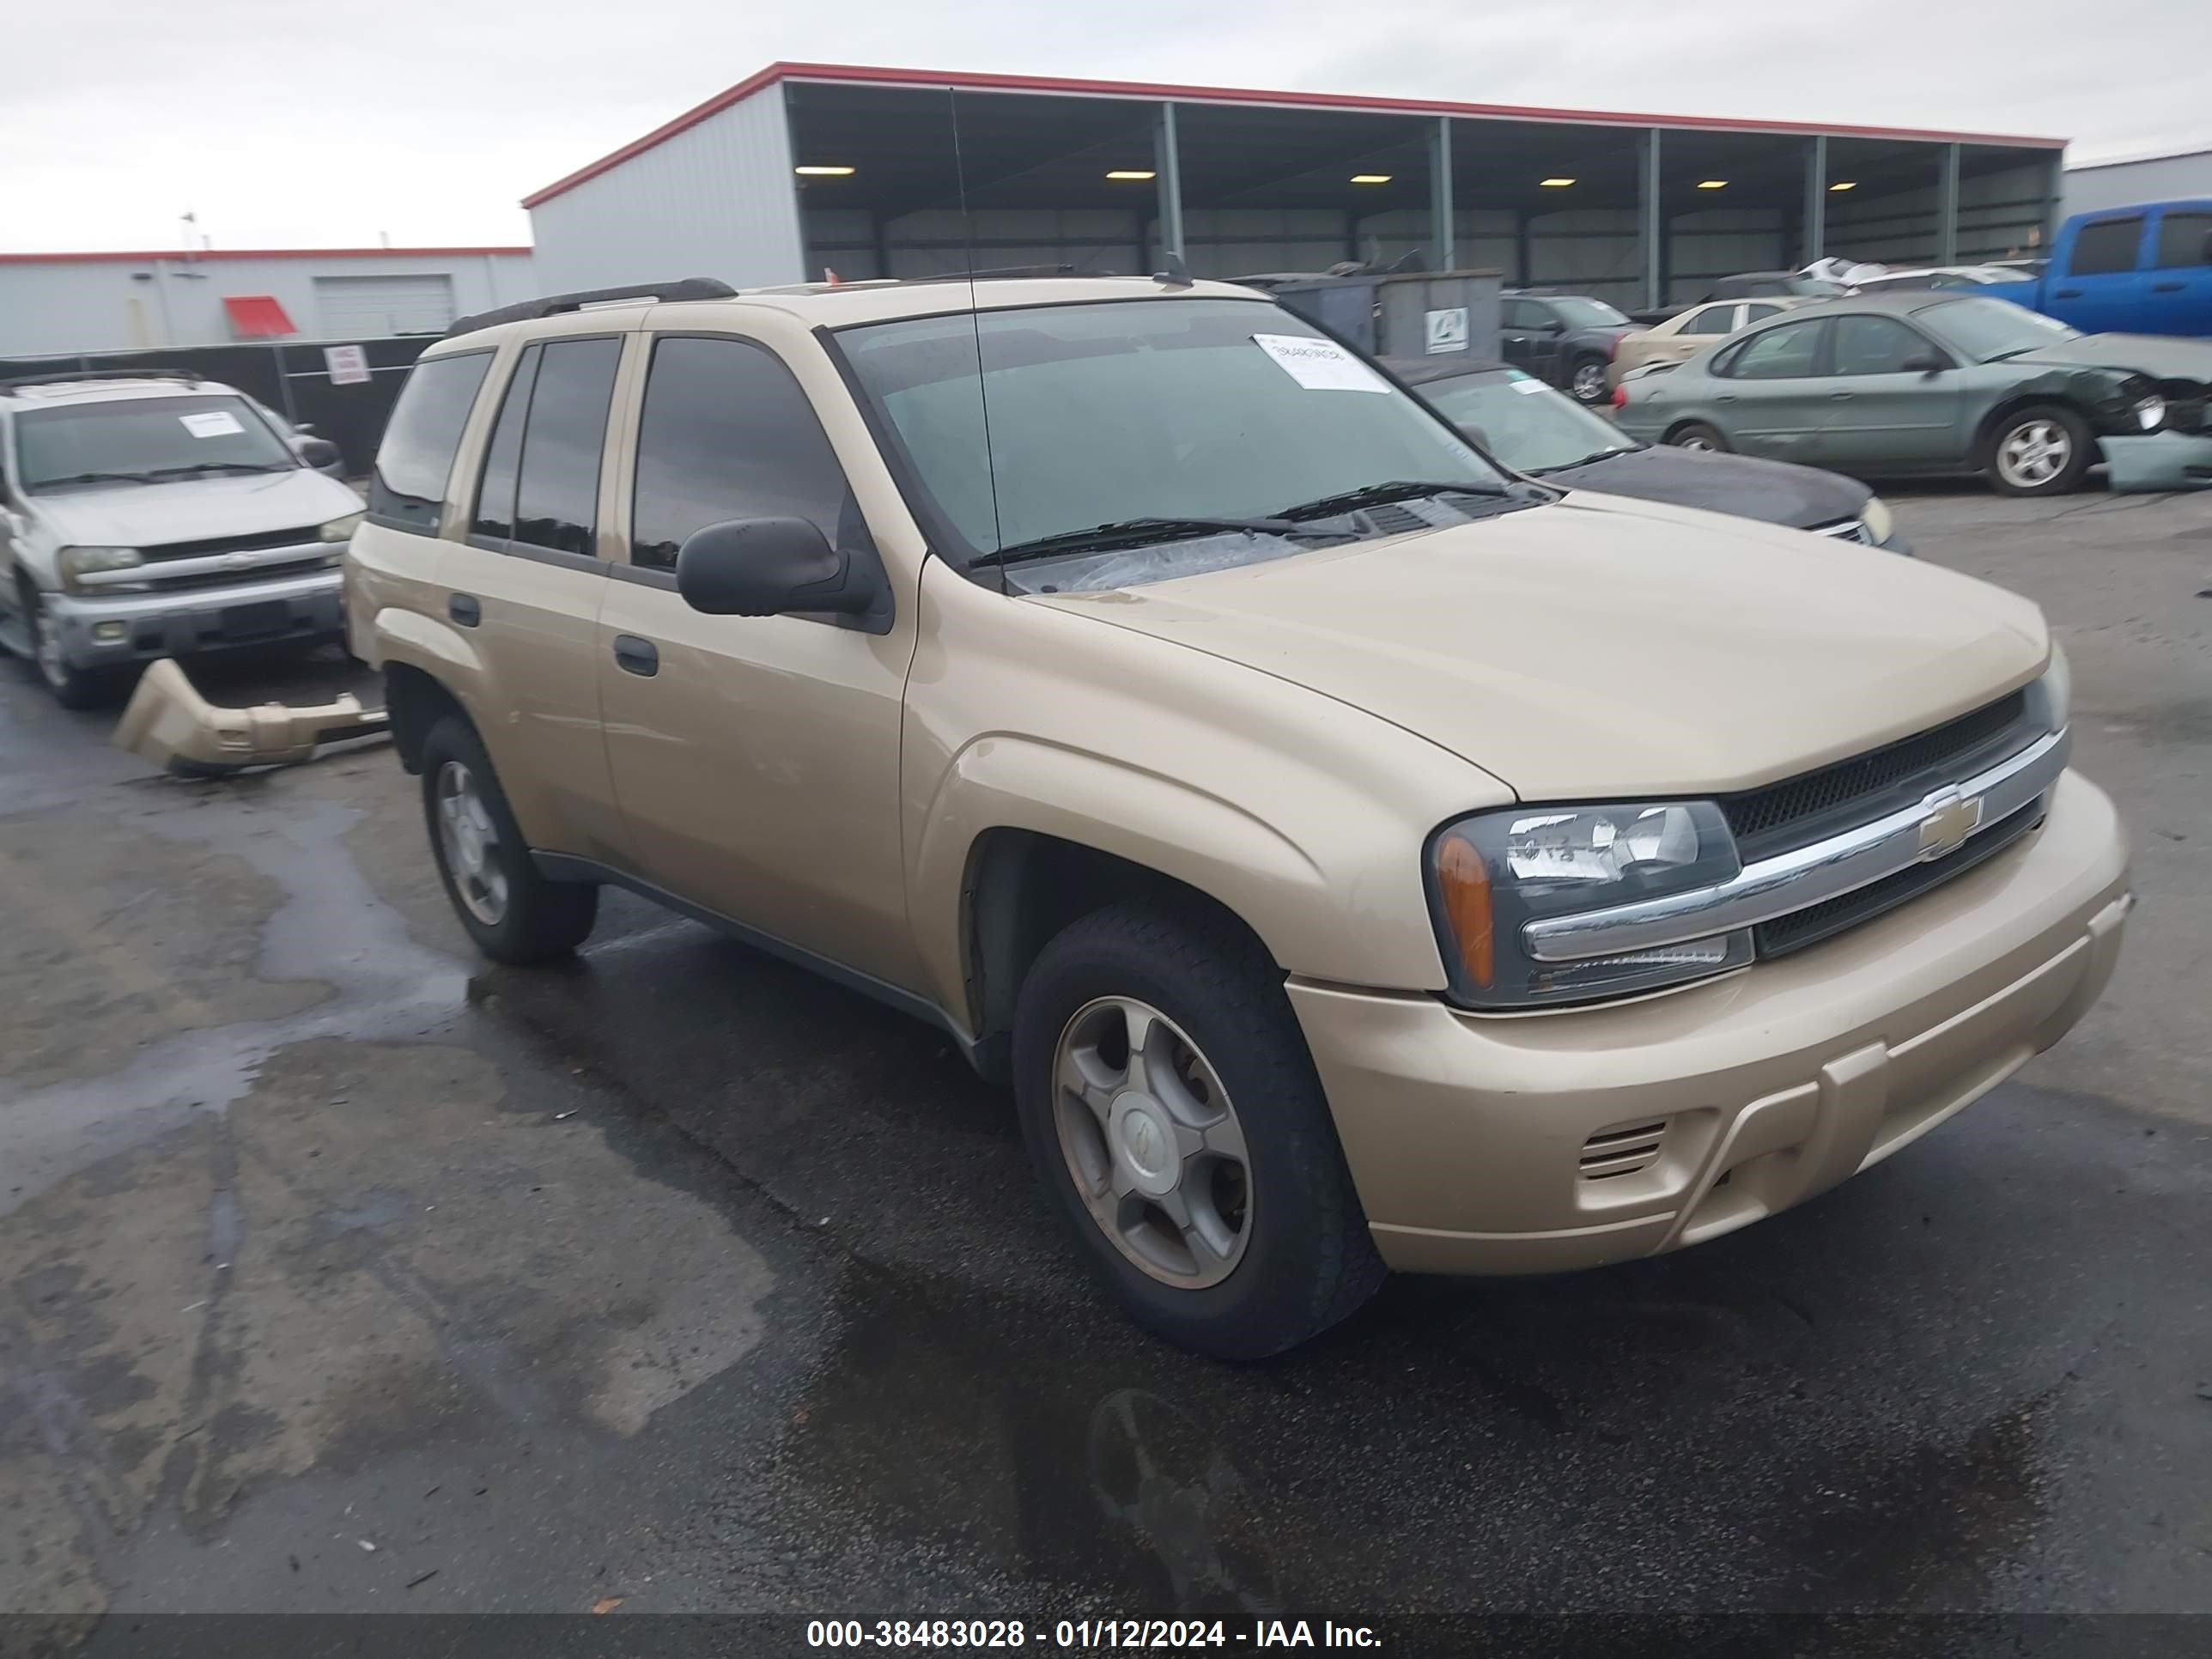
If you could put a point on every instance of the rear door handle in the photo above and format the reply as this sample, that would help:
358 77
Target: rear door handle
464 608
636 656
2166 288
2067 293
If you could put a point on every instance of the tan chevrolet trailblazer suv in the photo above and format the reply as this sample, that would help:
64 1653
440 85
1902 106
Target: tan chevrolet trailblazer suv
1355 856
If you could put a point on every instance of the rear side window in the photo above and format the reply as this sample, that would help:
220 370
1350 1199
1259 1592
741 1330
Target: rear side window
494 515
1787 353
2107 246
416 458
2184 239
727 433
557 493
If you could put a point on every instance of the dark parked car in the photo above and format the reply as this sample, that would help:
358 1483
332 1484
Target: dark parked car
1568 340
1533 430
1942 382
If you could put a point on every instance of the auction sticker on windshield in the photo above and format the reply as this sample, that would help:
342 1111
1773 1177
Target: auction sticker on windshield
1320 365
211 424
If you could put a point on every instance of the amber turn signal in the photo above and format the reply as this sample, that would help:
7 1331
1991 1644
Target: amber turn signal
1465 886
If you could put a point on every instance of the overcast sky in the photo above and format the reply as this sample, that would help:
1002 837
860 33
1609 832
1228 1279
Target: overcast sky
284 123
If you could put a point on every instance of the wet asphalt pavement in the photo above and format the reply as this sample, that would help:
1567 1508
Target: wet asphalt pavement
339 1270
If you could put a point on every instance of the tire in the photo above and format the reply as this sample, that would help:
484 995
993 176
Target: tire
1300 1257
1697 435
515 914
1586 382
2045 449
72 687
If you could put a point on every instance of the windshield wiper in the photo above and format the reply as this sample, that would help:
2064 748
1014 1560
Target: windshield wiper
2017 351
1595 455
96 477
1374 495
220 466
1138 532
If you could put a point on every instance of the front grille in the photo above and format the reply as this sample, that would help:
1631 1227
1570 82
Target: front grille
1624 1151
1810 926
1803 809
267 538
258 573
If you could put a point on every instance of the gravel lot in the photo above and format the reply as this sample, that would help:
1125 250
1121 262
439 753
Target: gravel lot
681 1278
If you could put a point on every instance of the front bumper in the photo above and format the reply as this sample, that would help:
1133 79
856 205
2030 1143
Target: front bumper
2159 460
99 630
1465 1134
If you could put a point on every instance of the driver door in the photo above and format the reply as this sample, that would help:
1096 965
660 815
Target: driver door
1882 417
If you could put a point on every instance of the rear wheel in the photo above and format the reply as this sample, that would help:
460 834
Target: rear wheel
1697 435
1174 1116
2043 450
1587 381
514 913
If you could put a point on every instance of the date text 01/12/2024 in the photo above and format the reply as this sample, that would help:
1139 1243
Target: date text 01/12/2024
1086 1634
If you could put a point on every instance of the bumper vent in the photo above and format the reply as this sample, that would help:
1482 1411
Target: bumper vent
1624 1151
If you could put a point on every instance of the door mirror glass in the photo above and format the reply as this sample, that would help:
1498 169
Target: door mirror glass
1923 363
772 567
319 452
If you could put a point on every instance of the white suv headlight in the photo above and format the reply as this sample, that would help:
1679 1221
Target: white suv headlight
77 563
339 530
1492 874
2052 696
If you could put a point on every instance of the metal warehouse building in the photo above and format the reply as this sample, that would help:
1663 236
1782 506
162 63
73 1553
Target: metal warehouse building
59 303
882 172
2142 179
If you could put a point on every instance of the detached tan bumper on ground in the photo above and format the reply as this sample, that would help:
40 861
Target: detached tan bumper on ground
1466 1135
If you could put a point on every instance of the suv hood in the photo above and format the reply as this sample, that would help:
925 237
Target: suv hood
1601 649
193 509
2158 355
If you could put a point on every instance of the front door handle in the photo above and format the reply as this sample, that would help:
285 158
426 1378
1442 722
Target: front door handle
2166 288
464 608
1839 397
1725 398
636 656
2067 293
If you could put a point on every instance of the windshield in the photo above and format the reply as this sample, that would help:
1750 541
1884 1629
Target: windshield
1522 421
144 440
1587 313
1984 330
1150 409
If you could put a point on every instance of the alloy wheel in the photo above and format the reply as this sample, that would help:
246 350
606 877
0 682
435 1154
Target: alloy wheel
2034 453
1152 1143
1588 382
470 840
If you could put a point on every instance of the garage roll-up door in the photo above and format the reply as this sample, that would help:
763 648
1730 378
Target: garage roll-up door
357 308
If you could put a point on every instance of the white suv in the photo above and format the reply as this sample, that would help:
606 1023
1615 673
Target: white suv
156 515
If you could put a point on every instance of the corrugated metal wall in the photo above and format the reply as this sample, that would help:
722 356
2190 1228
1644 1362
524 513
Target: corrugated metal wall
713 200
1996 213
2124 184
116 305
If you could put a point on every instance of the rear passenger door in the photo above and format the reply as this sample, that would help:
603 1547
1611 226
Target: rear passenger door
2104 288
1530 336
756 758
2180 300
525 589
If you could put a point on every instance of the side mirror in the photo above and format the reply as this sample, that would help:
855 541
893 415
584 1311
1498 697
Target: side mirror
1923 363
774 567
319 452
303 426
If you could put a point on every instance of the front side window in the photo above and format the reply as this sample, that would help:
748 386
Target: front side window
145 440
1713 320
1523 314
728 433
1787 353
2106 246
556 490
1522 421
1756 314
1147 411
2184 239
1986 330
1874 346
414 460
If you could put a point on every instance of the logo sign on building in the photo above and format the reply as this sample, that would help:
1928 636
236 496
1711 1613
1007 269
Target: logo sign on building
1448 330
349 364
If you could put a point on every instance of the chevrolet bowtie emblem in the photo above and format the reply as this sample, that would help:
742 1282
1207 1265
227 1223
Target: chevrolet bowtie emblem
1949 818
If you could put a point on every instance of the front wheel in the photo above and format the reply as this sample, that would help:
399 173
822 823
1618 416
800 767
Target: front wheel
73 688
514 913
1587 382
2043 450
1174 1117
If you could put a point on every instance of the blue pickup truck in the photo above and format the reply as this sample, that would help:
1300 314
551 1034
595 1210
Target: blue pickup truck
2144 270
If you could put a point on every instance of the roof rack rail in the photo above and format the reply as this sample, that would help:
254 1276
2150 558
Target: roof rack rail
63 376
681 287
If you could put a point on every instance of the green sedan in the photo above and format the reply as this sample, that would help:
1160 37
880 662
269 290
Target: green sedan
1881 385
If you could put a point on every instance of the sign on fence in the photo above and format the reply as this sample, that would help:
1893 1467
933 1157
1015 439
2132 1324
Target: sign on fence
348 364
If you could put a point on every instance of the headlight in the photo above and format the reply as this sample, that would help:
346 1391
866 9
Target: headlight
1492 874
2150 412
2051 697
76 562
339 530
1878 519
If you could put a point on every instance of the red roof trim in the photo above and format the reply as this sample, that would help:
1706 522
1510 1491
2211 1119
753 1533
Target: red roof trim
257 316
194 256
867 76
